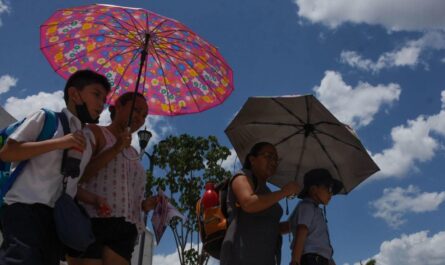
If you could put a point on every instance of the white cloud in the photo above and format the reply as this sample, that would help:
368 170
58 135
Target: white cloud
411 15
413 249
408 55
232 163
173 259
20 108
354 106
6 82
443 99
395 203
4 8
412 143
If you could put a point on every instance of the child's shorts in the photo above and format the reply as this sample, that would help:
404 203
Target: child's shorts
313 259
113 232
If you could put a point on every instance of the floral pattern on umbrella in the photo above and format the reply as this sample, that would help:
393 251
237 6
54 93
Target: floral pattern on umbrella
182 72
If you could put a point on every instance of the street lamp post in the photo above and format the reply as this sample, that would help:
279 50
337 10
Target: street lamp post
144 137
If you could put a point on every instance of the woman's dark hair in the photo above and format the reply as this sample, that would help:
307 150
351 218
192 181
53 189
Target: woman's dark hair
83 78
122 100
254 151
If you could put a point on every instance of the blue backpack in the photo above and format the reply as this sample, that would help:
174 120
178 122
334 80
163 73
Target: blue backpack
7 177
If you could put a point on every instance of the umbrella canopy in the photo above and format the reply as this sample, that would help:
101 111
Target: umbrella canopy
306 136
179 72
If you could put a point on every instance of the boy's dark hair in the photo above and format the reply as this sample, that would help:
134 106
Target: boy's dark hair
83 78
254 151
122 100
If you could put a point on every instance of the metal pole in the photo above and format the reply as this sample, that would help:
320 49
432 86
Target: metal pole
142 244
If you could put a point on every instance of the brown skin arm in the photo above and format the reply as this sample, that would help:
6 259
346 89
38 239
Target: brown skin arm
18 151
251 202
300 238
93 199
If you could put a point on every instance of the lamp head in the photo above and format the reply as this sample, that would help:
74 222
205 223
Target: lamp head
144 137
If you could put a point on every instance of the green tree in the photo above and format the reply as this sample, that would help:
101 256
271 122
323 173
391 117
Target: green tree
183 165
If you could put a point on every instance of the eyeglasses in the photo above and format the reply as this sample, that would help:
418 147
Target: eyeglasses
270 157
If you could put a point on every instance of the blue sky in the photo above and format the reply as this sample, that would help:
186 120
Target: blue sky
375 64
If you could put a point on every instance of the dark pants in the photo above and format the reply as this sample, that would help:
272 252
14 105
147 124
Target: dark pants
29 236
313 259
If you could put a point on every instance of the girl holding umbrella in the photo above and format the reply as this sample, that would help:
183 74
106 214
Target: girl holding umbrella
117 178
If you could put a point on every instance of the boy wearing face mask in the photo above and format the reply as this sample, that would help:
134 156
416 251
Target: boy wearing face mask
27 219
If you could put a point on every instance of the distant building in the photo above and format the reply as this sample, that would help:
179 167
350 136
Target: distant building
5 118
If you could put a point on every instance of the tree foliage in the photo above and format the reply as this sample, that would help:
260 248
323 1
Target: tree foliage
183 165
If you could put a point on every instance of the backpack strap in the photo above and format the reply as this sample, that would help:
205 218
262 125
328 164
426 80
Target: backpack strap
66 130
48 130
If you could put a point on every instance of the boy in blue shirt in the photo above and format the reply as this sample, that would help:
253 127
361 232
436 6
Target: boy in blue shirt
311 244
27 219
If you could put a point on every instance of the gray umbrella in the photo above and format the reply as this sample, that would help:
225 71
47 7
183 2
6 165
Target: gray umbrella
306 136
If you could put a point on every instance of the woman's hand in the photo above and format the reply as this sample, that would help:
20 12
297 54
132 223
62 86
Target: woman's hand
123 141
291 188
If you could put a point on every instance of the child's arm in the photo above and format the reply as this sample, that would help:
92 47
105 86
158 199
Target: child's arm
251 202
99 161
300 238
101 205
18 151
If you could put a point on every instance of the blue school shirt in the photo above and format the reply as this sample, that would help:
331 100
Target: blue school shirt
308 213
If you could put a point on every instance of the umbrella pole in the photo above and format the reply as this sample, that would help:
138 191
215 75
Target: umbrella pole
141 65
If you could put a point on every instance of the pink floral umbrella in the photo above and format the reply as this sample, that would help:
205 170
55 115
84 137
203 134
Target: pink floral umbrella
137 50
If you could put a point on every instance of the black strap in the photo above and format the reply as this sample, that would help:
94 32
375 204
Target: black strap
66 130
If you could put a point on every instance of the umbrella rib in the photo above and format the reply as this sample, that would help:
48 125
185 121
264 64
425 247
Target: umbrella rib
182 79
288 137
288 110
336 138
199 76
86 36
116 19
219 58
136 24
103 24
328 155
126 67
275 123
154 30
125 70
195 56
79 57
159 62
110 29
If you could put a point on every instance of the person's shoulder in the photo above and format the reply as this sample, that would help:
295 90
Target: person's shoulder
306 205
98 136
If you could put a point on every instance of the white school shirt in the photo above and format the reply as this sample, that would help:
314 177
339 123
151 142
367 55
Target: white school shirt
41 180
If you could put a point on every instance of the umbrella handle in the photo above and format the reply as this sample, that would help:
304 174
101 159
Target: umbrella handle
141 65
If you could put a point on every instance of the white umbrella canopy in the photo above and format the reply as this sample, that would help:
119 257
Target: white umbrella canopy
306 136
